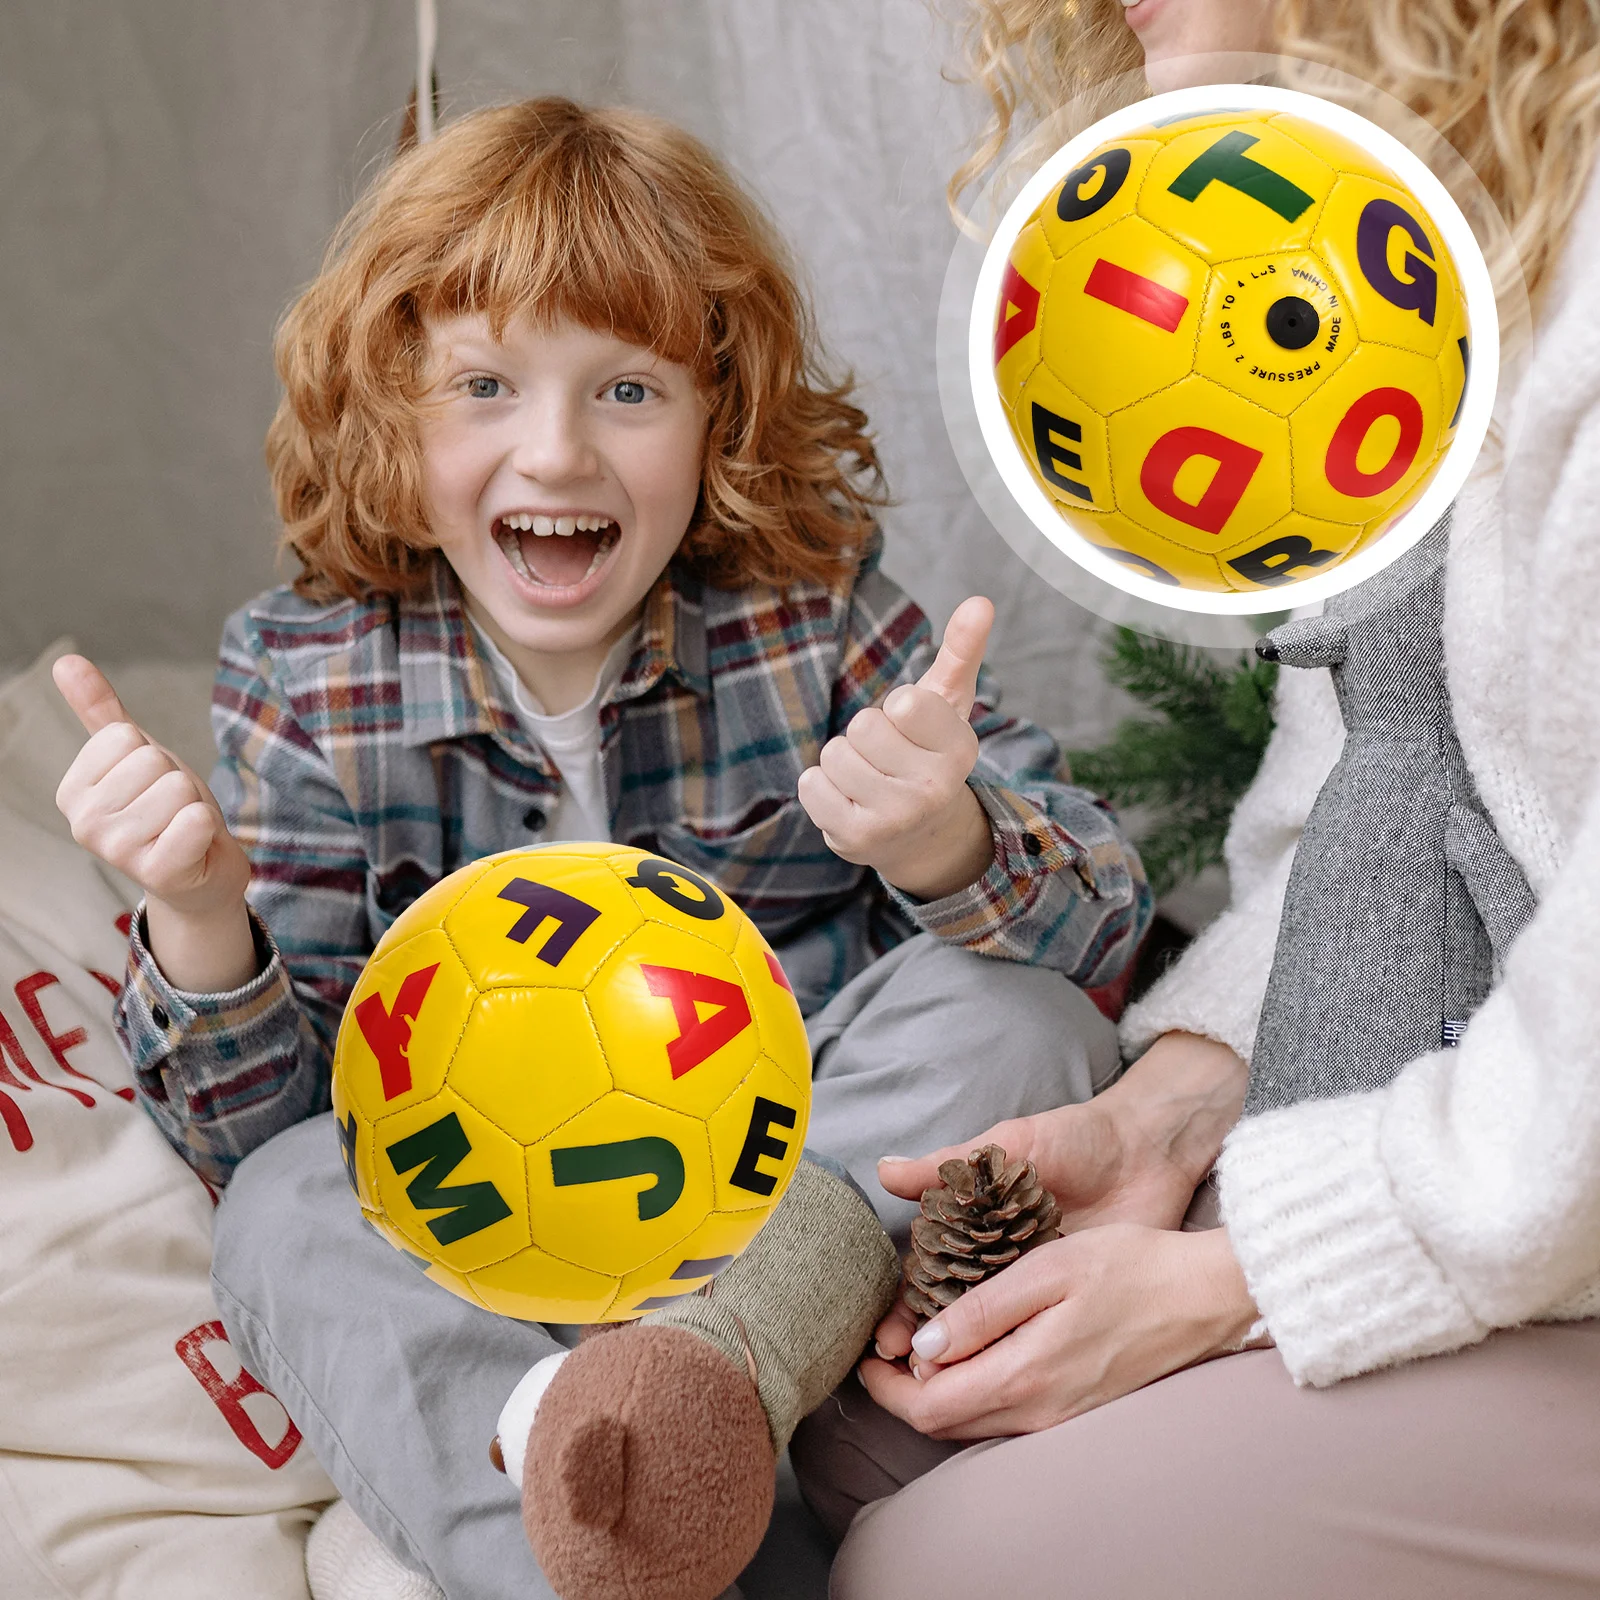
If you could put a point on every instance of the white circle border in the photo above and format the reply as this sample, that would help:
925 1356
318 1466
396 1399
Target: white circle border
1483 325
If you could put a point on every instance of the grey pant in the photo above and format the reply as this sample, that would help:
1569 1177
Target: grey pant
396 1384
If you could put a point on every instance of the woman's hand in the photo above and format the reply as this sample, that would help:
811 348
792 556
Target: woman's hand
141 810
892 792
1134 1153
1075 1323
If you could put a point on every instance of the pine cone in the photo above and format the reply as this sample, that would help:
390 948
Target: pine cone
982 1215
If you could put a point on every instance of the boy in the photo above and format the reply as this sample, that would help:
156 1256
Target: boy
587 551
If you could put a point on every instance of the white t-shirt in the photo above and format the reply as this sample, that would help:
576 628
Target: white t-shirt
571 740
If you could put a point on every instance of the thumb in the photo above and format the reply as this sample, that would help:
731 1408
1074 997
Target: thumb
908 1176
954 673
88 691
990 1310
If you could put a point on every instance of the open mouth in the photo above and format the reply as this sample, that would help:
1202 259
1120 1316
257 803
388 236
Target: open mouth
555 552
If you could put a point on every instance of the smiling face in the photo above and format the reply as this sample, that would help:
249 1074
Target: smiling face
560 467
1170 32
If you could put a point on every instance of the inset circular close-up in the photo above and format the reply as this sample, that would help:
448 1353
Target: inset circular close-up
1230 350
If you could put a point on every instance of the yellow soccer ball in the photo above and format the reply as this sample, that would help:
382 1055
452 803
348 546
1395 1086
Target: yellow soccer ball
1232 348
572 1083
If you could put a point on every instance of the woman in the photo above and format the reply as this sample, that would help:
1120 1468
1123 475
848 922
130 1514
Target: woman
1444 1205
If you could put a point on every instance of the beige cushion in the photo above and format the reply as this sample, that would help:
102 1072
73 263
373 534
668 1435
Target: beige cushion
135 1457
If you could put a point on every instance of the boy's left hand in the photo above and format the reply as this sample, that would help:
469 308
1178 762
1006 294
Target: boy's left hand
892 792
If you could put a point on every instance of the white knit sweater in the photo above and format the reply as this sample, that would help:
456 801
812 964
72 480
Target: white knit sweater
1465 1196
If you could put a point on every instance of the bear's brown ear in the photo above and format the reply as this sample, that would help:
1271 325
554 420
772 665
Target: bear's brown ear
593 1472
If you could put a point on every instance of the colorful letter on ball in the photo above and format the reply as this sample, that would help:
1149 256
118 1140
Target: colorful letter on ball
1225 162
388 1033
666 880
1052 457
758 1141
1139 296
698 1037
1236 466
1342 465
439 1149
1420 292
544 904
625 1158
1019 311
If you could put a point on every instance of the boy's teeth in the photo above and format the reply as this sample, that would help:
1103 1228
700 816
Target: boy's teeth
507 537
512 546
543 527
601 550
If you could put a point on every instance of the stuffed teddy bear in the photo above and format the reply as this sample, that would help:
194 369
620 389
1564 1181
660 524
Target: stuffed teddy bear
647 1455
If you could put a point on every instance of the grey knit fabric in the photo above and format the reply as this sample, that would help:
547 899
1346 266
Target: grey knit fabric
1403 900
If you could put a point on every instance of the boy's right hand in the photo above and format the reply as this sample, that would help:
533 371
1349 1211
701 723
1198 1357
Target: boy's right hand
141 810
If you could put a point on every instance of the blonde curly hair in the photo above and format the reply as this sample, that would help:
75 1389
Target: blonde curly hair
1513 85
1033 57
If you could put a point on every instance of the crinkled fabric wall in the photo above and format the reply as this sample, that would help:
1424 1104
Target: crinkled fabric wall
169 173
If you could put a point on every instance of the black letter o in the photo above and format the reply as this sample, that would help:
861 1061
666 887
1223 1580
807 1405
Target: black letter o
1113 163
660 878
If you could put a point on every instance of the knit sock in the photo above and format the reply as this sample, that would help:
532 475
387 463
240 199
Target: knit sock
649 1462
346 1561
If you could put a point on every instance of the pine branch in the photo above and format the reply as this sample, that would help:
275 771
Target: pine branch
1190 761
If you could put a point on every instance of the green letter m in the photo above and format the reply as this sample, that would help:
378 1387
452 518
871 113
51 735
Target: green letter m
439 1149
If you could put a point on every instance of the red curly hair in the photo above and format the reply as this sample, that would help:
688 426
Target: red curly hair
612 219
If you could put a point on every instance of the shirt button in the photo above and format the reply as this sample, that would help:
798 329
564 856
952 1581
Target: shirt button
158 1015
1033 844
533 819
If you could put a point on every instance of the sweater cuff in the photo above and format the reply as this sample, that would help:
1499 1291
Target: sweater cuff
1343 1282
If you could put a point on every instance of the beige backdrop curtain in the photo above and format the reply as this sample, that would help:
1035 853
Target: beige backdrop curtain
170 171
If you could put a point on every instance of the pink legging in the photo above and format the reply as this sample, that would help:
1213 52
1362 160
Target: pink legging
1472 1476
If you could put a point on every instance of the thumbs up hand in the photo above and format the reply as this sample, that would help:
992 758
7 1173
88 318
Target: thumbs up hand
892 792
140 809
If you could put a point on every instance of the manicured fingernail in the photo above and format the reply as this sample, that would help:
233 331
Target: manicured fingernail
930 1341
882 1159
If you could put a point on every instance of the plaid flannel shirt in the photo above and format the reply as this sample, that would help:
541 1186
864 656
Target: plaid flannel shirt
366 751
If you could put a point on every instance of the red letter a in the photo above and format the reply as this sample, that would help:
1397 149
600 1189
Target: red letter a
1019 311
698 1039
1236 466
388 1033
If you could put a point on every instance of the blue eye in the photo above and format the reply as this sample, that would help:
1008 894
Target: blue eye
483 388
628 392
